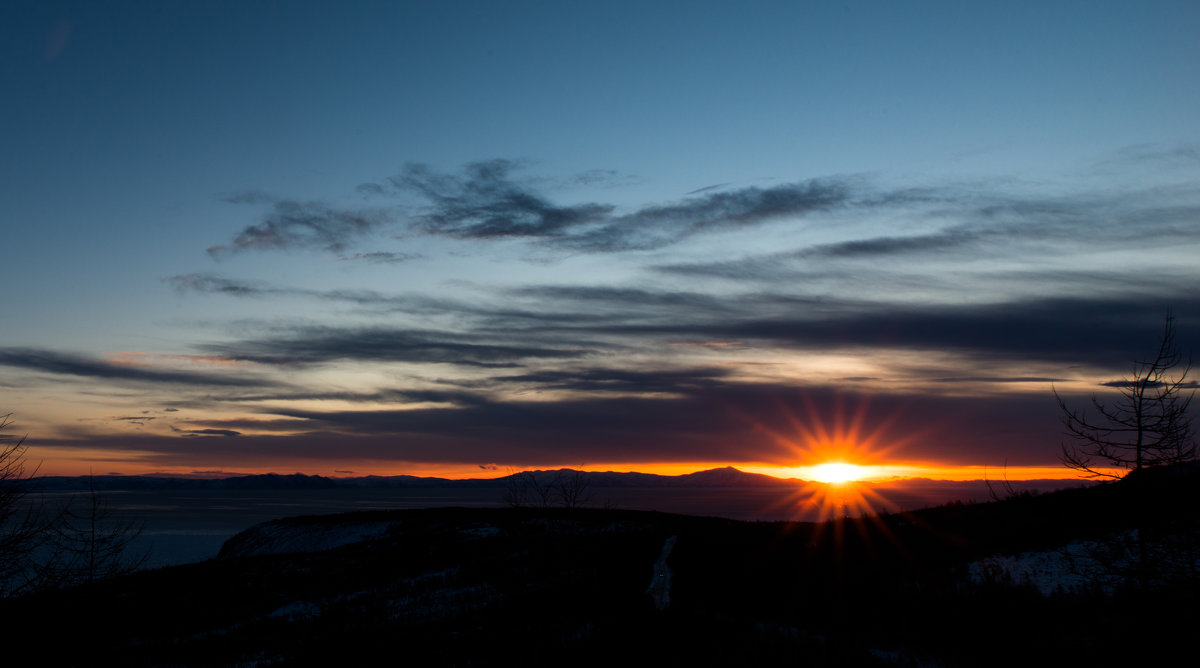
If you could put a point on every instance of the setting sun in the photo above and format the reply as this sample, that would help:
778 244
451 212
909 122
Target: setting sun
837 472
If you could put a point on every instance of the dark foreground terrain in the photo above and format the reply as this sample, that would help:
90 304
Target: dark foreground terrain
454 586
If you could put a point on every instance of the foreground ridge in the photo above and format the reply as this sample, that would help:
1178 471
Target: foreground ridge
453 585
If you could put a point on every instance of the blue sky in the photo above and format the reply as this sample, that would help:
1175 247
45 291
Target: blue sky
421 236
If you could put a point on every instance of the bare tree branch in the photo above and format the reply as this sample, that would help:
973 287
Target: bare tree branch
43 547
1148 424
22 524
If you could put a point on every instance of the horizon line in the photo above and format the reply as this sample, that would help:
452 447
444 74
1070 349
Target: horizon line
966 473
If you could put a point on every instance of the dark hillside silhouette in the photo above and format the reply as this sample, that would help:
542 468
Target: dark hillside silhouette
480 586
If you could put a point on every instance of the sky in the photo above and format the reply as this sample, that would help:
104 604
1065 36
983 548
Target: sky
462 238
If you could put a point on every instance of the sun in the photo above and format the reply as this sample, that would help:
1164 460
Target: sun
837 472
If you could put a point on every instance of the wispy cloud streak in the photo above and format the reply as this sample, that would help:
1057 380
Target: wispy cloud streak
48 361
318 345
487 201
291 224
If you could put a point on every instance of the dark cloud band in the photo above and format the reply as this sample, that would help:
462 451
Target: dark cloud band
48 361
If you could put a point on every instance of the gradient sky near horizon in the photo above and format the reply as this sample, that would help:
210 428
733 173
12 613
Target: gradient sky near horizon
457 237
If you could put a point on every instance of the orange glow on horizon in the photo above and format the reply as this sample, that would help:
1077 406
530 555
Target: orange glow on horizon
835 442
72 462
876 473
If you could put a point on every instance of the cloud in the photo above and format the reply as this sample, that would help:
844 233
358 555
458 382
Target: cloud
380 257
227 433
594 177
212 284
623 298
488 201
139 420
967 223
997 379
716 186
922 296
48 361
625 381
485 202
371 190
1183 155
1104 330
560 322
752 205
209 283
657 226
317 345
1108 316
496 311
395 396
292 224
1155 383
720 423
879 246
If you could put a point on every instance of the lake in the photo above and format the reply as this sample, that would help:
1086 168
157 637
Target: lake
185 526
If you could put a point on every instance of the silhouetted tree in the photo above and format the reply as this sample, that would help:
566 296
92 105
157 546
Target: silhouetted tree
1006 489
516 493
566 488
1147 425
43 547
22 528
573 489
524 488
87 543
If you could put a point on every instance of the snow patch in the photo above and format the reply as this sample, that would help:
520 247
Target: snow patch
1072 568
1048 571
485 531
660 584
297 610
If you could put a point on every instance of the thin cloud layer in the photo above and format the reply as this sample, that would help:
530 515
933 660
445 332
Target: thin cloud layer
623 381
291 224
978 222
319 345
945 312
725 422
568 322
212 284
52 362
227 433
487 201
381 257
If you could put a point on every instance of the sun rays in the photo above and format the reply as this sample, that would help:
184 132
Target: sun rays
836 448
